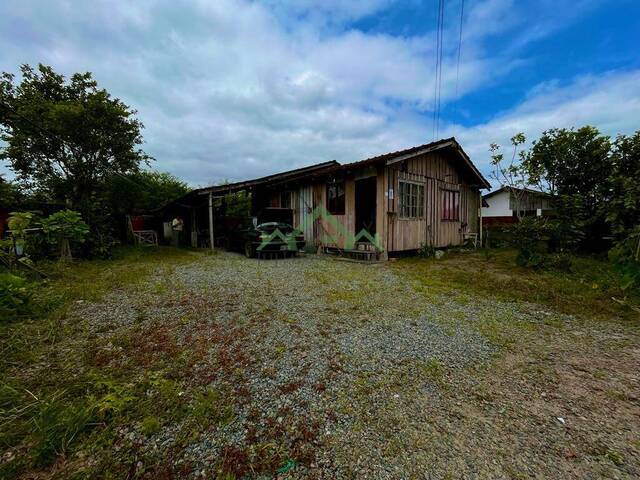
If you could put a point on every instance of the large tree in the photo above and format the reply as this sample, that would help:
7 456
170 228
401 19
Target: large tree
574 165
65 137
10 195
623 208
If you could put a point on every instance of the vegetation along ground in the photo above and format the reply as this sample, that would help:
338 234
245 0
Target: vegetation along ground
178 364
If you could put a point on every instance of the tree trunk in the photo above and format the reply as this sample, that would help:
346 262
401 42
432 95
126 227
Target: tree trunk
65 250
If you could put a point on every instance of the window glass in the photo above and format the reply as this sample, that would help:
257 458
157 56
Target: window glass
335 198
411 200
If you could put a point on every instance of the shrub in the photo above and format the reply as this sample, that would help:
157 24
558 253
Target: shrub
625 257
426 251
531 237
15 296
65 227
560 262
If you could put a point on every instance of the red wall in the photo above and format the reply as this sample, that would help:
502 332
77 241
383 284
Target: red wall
498 220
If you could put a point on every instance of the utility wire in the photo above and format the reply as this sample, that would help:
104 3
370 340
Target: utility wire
435 80
459 49
440 71
437 95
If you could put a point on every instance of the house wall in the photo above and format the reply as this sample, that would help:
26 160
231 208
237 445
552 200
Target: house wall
498 205
436 173
334 230
432 170
500 208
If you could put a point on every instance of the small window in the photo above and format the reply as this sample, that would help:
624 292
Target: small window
285 199
335 198
411 200
450 205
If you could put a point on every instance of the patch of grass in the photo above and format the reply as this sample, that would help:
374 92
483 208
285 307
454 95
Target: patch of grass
586 291
212 407
50 402
150 425
502 331
616 457
433 370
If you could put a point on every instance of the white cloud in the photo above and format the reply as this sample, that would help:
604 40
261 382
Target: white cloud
235 89
610 101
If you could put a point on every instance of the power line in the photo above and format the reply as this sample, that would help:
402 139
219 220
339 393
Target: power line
437 94
435 80
459 48
440 72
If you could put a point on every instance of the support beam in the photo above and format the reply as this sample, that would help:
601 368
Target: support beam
480 216
211 219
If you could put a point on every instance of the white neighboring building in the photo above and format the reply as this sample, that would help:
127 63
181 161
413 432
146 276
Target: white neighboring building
499 206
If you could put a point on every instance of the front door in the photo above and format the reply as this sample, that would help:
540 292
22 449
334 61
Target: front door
365 196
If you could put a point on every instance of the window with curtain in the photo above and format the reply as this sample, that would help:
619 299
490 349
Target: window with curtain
450 205
411 200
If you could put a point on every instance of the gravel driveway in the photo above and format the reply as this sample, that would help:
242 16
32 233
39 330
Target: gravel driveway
325 368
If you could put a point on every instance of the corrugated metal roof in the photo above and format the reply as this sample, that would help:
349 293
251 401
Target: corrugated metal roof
334 166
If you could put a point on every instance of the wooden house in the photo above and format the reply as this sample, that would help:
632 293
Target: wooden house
392 203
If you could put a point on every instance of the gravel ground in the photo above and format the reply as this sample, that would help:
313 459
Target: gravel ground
331 368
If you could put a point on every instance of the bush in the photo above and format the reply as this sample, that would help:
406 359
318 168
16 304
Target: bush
65 227
426 251
15 296
531 237
535 237
624 257
560 262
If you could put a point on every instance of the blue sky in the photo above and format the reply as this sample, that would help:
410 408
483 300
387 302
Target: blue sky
231 89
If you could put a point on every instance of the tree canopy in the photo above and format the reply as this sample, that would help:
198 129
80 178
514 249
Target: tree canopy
65 136
143 191
575 166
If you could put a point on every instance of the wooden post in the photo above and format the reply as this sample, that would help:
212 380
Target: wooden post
211 219
194 229
480 216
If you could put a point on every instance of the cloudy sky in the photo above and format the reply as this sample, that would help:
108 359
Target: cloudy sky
235 89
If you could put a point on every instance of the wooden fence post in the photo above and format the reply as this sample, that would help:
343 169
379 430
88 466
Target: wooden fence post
211 219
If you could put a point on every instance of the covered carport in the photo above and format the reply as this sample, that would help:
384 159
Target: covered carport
204 210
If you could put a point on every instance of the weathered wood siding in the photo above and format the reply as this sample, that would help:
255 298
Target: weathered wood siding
303 213
331 232
436 173
432 170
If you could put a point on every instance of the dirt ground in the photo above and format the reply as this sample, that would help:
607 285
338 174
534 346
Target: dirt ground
314 367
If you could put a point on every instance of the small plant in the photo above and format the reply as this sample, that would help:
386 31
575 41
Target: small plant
426 251
18 224
15 296
56 426
65 227
150 426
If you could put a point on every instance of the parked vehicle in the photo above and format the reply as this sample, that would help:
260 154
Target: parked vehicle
269 232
